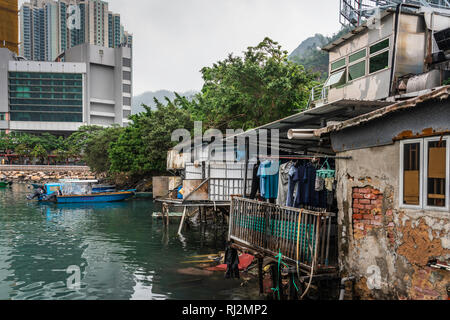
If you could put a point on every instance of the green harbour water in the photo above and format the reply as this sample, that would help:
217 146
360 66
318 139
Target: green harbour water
121 252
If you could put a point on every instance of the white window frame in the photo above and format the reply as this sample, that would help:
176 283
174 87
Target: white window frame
421 166
423 174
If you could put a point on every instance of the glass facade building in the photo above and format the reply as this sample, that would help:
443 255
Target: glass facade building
46 33
49 97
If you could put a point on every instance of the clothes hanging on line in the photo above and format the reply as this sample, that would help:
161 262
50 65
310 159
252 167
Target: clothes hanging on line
268 173
293 184
320 183
283 181
329 183
303 177
255 181
294 176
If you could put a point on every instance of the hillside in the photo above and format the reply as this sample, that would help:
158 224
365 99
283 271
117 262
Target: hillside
147 98
310 55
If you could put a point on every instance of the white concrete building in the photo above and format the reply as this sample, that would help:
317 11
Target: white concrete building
109 82
93 86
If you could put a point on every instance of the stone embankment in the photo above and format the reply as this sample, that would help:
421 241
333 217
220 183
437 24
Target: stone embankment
41 174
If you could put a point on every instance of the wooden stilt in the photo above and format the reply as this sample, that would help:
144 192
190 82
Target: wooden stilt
164 212
182 220
260 275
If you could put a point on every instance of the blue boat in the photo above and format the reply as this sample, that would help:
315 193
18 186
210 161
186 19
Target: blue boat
96 188
77 192
101 188
94 197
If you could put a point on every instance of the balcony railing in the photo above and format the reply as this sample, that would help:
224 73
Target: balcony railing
301 236
319 96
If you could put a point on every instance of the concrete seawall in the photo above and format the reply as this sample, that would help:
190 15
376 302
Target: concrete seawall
42 173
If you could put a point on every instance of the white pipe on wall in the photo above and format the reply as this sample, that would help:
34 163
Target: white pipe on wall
301 134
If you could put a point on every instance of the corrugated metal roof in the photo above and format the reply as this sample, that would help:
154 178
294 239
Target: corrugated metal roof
437 93
313 119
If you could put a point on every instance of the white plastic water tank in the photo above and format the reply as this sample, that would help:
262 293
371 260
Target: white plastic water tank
424 81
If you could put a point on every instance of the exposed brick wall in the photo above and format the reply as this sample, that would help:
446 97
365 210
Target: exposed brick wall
368 212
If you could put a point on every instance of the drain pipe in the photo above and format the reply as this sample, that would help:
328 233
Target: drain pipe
342 286
398 13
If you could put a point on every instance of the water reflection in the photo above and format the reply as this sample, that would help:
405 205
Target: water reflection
121 251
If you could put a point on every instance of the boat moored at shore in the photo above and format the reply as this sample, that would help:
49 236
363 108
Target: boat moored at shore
78 192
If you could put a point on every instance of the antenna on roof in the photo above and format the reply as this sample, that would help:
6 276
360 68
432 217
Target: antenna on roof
354 12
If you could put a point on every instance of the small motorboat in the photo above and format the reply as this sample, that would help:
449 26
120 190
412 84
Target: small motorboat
5 184
103 188
77 192
96 188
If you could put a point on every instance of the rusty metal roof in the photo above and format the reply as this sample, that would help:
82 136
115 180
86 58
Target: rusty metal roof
313 119
440 93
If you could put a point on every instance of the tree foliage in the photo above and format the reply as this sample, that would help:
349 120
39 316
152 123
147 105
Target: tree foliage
249 91
142 147
39 152
96 147
239 92
310 55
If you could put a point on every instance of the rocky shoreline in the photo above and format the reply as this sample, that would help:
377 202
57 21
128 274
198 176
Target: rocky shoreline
43 175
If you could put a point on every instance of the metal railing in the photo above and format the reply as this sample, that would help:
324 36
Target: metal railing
300 235
222 189
318 94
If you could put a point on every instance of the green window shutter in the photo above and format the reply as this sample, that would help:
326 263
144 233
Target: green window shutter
356 56
338 64
357 70
379 62
379 46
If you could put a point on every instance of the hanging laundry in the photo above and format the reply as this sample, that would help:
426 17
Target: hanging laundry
283 182
307 194
255 181
320 182
232 262
295 175
330 198
268 173
329 181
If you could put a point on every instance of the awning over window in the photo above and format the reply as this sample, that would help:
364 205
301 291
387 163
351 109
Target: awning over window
335 78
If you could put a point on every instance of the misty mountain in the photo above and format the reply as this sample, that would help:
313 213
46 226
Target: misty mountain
147 98
310 55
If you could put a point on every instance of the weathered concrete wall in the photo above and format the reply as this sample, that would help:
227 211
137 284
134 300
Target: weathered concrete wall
385 247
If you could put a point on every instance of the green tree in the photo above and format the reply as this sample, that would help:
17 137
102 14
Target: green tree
97 147
78 140
249 91
142 147
61 155
6 142
309 54
22 151
39 152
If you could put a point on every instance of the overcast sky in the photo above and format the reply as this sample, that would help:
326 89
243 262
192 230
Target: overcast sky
174 39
